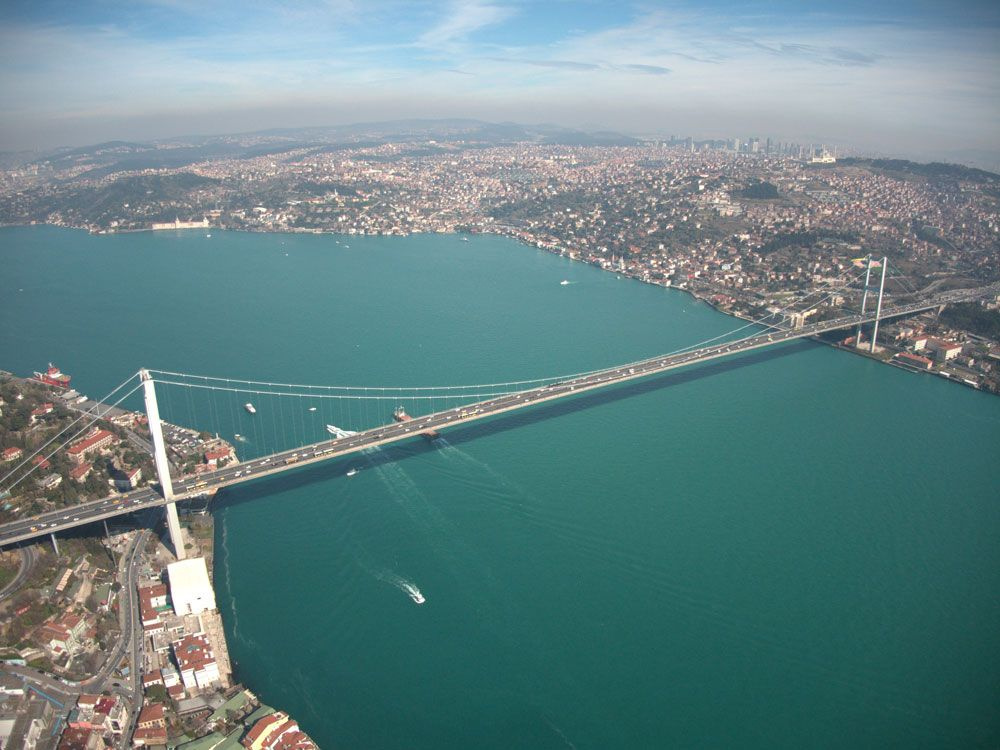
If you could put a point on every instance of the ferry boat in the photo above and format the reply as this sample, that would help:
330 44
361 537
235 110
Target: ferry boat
53 376
339 433
400 415
249 407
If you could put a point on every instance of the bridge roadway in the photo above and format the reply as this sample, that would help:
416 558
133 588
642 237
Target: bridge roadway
189 487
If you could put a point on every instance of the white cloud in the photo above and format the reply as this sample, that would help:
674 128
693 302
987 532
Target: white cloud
466 17
665 71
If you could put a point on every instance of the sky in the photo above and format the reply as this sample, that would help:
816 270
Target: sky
908 77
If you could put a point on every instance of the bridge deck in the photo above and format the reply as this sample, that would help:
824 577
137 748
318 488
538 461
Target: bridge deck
276 463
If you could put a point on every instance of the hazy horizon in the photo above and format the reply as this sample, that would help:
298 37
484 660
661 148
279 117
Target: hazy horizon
899 78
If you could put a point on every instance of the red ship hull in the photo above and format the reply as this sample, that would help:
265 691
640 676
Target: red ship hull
53 377
401 416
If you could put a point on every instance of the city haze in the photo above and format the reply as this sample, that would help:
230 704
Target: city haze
897 78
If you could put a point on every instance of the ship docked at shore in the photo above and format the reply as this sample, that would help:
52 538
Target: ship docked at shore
400 415
53 376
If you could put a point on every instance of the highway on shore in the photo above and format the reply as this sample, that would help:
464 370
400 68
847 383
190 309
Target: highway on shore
209 482
128 614
27 563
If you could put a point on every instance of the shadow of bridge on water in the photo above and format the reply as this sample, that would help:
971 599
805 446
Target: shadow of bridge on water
465 433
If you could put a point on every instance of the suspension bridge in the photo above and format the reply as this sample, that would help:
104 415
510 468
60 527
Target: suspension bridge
306 434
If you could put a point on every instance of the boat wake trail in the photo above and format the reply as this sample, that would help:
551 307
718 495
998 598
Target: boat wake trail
452 453
410 497
560 733
407 587
491 484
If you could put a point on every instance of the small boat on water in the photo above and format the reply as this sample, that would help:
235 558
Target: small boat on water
564 282
312 408
339 433
414 593
351 472
239 437
250 407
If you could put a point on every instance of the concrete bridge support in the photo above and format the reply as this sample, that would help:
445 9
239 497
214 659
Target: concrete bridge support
162 464
878 306
864 301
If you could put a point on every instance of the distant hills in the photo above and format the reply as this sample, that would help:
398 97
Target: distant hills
933 170
174 153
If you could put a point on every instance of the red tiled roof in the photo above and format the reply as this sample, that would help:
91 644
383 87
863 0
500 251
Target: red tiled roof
193 652
87 443
74 739
79 471
915 358
152 712
151 735
152 678
262 726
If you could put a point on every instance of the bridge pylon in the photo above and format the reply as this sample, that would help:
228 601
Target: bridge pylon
864 301
878 306
161 462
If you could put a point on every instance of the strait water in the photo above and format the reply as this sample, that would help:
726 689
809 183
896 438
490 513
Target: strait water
794 548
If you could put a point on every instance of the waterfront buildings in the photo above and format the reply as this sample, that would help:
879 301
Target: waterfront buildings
277 732
106 714
196 661
97 441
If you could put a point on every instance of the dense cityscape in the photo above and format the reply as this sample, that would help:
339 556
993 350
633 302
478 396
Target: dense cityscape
744 224
496 374
110 643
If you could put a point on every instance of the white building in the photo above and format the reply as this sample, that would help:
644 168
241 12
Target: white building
190 589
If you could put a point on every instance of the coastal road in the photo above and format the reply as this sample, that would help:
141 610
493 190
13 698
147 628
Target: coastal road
276 463
63 692
130 640
27 563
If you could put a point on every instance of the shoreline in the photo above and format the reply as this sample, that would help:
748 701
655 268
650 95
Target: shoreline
526 241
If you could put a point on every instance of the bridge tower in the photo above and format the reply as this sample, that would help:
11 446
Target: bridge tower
864 301
878 307
162 464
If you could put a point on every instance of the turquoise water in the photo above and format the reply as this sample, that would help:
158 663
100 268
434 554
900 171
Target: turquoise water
795 548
